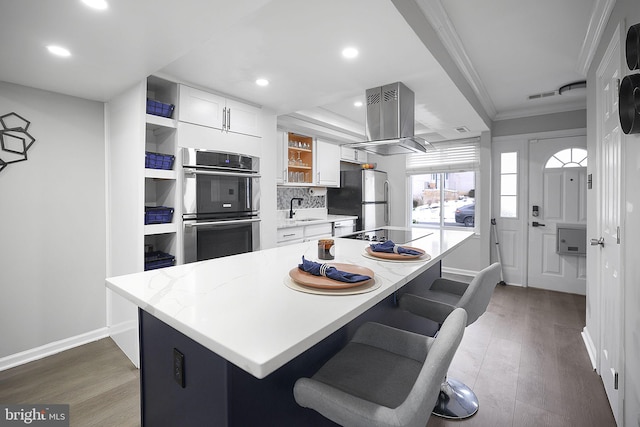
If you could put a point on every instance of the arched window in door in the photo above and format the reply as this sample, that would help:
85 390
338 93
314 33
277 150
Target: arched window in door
568 158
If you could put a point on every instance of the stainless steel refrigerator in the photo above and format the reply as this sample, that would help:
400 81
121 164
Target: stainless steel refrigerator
364 193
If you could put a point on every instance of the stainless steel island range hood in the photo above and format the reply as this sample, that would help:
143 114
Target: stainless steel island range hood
390 122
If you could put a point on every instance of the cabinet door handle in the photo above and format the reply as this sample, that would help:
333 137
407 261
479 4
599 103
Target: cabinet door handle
318 181
288 235
224 119
228 119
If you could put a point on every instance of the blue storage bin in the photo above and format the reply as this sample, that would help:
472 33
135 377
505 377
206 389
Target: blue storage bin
159 108
158 160
157 215
158 259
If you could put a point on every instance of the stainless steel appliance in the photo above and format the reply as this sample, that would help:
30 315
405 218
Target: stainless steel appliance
390 122
364 193
221 204
344 227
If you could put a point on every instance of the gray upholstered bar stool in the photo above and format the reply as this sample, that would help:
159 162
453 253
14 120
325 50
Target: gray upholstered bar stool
456 400
384 376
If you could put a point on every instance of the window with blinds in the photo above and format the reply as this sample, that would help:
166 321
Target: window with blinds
442 184
454 155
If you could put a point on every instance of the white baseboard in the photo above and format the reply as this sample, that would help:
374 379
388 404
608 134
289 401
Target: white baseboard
459 271
50 349
591 349
471 274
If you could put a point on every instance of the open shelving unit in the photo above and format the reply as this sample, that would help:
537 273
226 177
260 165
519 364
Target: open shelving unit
299 158
161 186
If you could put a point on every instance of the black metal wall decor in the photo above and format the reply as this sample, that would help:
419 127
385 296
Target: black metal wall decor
629 92
15 140
629 104
633 47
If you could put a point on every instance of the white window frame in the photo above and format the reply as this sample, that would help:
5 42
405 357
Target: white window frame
500 193
452 156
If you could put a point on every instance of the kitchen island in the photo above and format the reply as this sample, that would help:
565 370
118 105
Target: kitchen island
223 340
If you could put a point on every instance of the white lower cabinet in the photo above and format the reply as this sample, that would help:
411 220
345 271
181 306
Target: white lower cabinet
291 235
316 231
288 236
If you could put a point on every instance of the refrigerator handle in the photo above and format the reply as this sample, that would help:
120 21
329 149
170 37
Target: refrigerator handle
386 199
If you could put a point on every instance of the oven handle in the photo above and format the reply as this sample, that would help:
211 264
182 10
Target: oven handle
192 171
215 223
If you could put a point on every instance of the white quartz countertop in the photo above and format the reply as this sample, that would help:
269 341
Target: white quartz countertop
240 308
301 222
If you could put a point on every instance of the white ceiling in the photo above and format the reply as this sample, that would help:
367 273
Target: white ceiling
513 49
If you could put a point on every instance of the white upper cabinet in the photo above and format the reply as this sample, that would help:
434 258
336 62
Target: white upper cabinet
201 108
215 111
352 155
327 164
242 118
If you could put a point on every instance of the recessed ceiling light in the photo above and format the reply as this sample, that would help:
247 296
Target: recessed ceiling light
358 103
262 82
350 52
96 4
58 50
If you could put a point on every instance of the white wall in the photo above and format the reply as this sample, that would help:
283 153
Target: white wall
52 227
625 14
542 123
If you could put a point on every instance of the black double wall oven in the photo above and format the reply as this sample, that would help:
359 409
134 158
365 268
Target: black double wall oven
221 197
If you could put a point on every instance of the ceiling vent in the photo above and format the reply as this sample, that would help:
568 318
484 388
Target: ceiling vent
462 129
541 95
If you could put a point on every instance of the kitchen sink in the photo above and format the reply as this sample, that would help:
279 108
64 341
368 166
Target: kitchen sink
308 219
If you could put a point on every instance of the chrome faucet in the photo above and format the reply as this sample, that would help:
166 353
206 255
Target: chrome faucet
291 212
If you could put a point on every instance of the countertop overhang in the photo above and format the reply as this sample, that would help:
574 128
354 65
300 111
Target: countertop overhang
240 308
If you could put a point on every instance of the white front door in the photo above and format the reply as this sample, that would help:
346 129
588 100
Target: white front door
609 219
557 199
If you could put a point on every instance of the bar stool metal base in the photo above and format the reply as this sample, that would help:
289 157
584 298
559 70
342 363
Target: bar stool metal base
456 401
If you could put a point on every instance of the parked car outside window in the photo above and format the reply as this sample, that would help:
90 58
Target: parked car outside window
466 215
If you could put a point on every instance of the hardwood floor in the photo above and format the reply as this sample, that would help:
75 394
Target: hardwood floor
526 361
524 358
97 380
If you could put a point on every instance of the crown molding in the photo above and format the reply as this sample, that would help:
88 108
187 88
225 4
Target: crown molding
597 23
439 20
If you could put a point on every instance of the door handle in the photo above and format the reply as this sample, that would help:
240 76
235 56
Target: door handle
596 242
537 224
